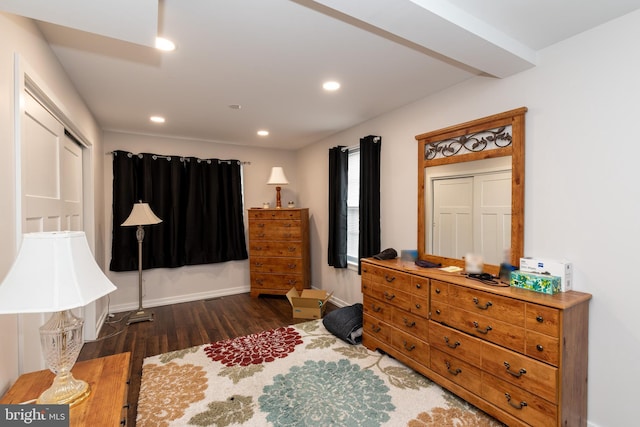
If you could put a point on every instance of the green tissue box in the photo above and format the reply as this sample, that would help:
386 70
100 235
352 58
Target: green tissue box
535 282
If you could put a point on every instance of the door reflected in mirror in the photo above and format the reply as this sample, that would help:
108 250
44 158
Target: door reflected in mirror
468 207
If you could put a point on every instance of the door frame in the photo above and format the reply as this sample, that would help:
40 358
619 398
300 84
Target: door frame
27 80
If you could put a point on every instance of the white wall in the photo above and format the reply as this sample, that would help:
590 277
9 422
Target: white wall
581 199
22 38
164 286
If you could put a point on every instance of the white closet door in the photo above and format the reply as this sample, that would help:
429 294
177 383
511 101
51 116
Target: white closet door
52 173
452 227
51 196
492 203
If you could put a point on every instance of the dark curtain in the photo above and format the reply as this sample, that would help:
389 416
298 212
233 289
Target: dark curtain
161 184
369 242
125 194
199 202
215 227
338 179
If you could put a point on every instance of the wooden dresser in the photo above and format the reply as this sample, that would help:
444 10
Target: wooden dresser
279 250
519 355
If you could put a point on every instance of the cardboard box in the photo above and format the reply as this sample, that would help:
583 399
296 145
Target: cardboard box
563 269
535 282
310 304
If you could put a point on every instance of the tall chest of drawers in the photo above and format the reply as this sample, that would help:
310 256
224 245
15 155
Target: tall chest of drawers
518 355
279 250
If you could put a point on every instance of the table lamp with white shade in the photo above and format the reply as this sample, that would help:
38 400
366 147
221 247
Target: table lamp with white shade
55 272
277 178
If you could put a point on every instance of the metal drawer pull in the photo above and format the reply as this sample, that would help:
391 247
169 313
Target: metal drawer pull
258 264
287 225
375 328
486 306
408 347
261 225
259 281
258 248
437 290
515 374
292 281
418 286
482 331
407 323
389 296
438 311
418 306
518 406
292 248
454 345
540 319
456 372
376 309
291 266
539 347
389 279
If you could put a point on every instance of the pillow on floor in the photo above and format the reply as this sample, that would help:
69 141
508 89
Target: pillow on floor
345 323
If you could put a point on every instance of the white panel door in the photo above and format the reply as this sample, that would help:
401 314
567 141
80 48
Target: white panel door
452 227
52 173
51 196
492 204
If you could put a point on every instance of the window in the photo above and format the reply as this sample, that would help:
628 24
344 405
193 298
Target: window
353 206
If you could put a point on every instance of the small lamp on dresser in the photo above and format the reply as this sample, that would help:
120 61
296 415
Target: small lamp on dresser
55 272
277 178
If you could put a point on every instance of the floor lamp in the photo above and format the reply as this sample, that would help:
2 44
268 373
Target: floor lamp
55 272
140 215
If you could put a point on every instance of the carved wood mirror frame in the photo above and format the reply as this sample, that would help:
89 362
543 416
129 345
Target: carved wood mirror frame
476 140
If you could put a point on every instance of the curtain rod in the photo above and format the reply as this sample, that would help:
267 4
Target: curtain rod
159 156
376 139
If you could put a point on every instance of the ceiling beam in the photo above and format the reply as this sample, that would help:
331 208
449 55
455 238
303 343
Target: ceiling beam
442 28
131 21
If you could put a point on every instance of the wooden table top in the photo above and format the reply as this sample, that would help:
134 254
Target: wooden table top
107 377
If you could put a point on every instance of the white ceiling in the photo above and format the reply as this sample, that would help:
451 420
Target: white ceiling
271 57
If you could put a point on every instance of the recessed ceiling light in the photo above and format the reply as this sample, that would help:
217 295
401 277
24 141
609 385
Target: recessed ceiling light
235 106
156 119
165 44
263 132
331 86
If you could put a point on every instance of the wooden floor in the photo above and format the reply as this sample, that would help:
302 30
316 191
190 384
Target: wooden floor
185 325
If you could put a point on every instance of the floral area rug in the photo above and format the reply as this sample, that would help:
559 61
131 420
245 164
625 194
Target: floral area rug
300 375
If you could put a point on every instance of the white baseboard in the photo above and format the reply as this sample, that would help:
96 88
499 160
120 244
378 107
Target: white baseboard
119 308
176 299
338 302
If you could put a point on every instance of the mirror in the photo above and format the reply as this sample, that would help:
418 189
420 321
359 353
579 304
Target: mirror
487 153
